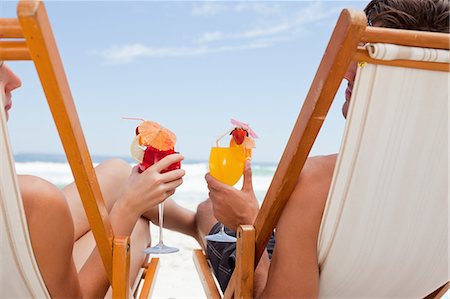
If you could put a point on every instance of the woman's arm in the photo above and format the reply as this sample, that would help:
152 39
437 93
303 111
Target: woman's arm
143 192
51 232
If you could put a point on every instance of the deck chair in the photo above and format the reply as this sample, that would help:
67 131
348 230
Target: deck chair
384 231
29 37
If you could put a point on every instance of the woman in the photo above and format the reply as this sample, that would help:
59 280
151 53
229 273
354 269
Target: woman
59 230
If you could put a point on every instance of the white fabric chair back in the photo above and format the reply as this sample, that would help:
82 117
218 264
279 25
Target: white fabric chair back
385 227
19 273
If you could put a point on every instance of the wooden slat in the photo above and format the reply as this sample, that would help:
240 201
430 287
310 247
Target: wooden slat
245 261
229 292
406 37
10 28
362 56
149 279
340 51
121 268
39 36
14 50
138 281
206 277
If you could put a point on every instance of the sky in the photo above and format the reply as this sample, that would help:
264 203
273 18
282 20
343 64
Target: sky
190 66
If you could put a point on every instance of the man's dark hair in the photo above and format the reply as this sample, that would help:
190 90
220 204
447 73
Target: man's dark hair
423 15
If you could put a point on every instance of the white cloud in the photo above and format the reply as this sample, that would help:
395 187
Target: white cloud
211 36
261 36
249 34
212 8
308 15
128 53
208 8
259 8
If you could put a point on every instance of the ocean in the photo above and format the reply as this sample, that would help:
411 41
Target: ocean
55 169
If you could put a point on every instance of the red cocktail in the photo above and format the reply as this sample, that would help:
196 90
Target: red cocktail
153 155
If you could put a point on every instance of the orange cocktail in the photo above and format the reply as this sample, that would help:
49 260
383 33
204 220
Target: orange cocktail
226 164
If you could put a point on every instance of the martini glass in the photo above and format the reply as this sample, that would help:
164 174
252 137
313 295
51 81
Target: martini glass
226 164
160 248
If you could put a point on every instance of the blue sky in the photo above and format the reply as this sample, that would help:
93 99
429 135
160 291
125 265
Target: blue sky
189 65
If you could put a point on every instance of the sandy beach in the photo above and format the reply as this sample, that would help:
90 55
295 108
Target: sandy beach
177 276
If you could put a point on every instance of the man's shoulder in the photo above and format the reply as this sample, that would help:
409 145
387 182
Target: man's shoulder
320 165
315 179
317 172
322 159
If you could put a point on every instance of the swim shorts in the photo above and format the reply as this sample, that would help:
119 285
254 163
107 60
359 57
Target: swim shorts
223 255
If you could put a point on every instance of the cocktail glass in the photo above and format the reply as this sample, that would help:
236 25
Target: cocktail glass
151 156
226 164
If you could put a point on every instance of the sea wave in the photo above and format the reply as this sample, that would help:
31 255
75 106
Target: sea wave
60 174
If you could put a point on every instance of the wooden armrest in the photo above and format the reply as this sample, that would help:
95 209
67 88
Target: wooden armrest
245 261
121 267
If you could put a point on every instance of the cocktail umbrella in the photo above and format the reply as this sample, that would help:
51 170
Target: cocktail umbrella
245 126
154 135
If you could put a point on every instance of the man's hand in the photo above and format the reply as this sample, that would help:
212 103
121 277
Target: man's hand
233 207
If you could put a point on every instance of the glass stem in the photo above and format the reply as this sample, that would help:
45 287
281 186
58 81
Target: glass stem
161 219
222 229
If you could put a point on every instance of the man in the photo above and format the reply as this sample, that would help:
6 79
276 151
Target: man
293 270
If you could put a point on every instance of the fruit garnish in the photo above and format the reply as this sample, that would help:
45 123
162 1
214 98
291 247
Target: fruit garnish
247 145
154 135
151 144
136 150
242 137
239 135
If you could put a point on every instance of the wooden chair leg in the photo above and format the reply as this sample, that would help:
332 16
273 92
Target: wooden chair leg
245 261
149 279
206 277
121 267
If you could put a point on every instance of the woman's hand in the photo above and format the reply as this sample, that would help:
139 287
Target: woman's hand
147 189
233 207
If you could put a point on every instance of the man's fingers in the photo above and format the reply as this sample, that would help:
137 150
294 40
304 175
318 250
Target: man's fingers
167 161
248 181
214 184
213 196
172 175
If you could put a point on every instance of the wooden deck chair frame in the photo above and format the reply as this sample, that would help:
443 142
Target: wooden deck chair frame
30 37
343 47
